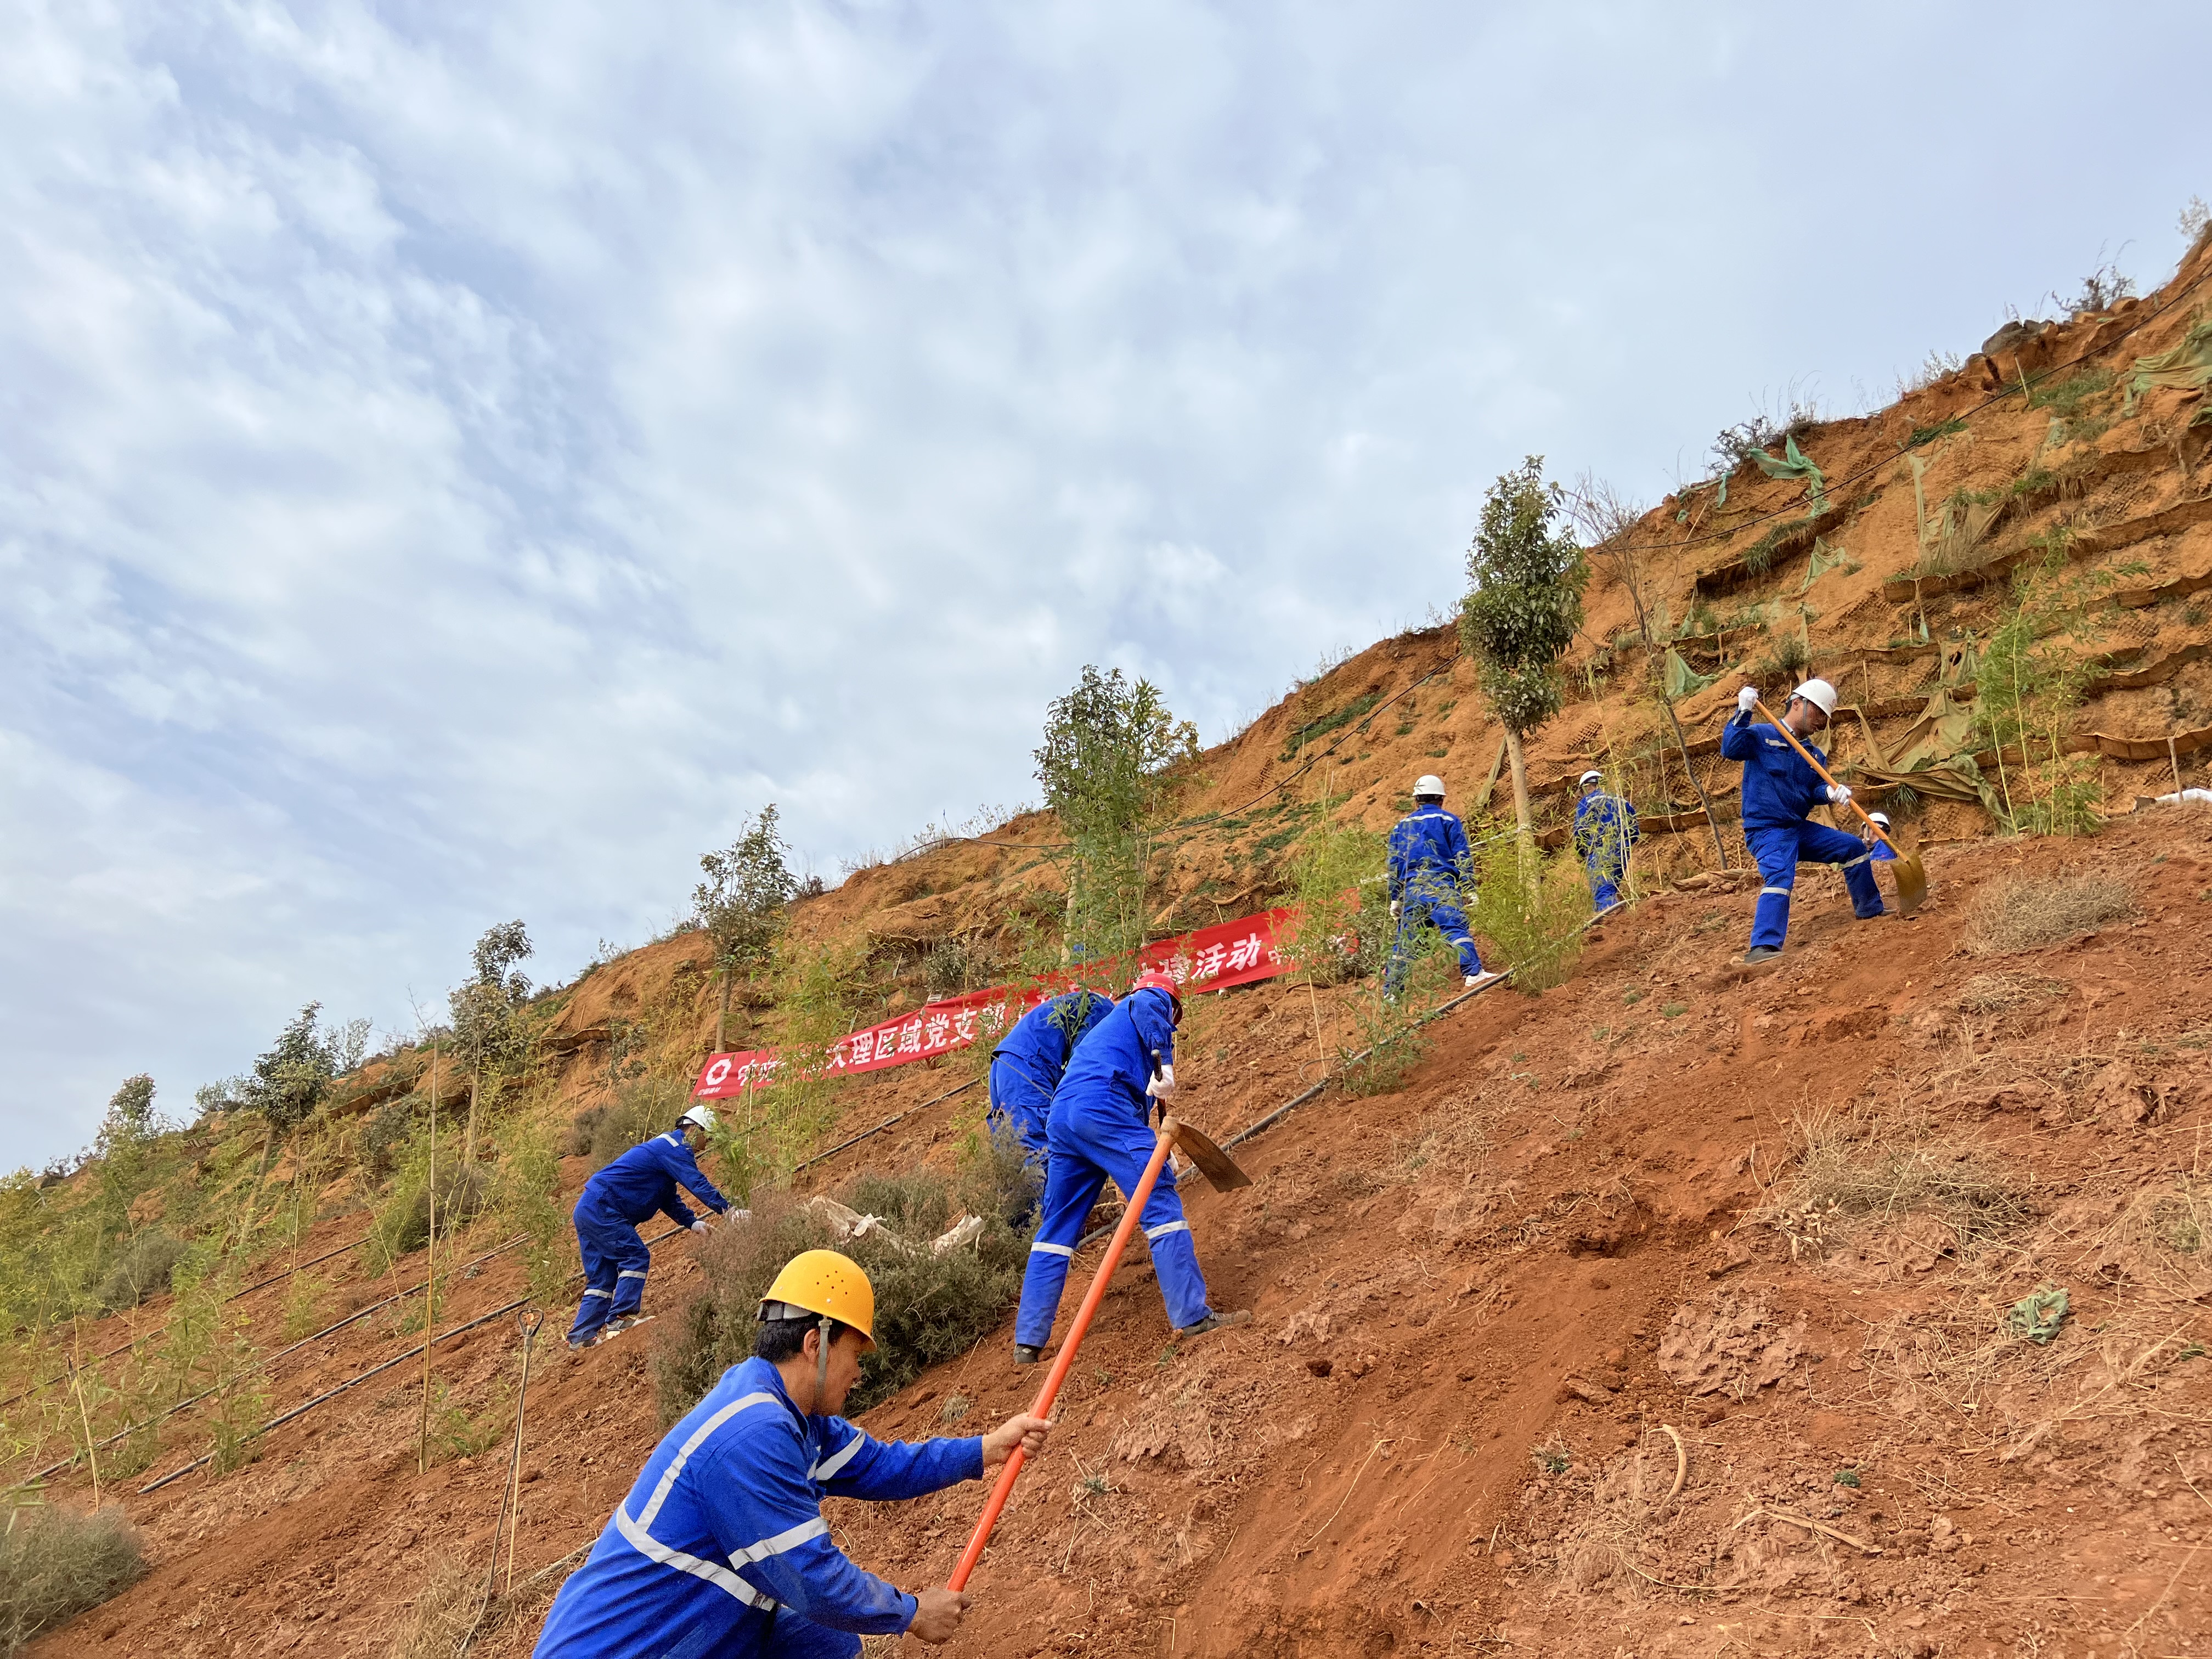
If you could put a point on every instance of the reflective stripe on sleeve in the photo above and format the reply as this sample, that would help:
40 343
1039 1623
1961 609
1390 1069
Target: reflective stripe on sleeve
1052 1249
828 1468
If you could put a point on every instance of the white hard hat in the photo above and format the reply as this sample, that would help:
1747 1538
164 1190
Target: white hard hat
1819 694
1882 818
699 1115
1428 784
1593 776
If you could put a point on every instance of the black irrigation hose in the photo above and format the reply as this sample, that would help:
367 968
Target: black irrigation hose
385 1365
262 1363
161 1330
885 1124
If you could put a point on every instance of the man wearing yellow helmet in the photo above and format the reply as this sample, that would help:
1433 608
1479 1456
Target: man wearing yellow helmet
720 1547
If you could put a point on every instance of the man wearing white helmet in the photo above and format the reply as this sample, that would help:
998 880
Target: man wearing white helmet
1605 829
1779 792
1429 861
633 1188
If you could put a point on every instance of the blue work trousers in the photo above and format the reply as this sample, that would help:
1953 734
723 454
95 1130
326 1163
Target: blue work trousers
1448 919
1779 852
1090 1144
1605 879
615 1264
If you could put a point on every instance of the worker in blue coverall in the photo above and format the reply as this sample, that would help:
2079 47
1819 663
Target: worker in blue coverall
1098 1130
1605 829
633 1188
1027 1066
1429 859
721 1550
1779 790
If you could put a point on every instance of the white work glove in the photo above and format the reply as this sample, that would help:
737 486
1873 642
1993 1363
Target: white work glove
1839 795
1746 700
702 1225
1394 909
1163 1087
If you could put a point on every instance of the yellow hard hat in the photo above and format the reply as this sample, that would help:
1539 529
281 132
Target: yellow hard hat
826 1283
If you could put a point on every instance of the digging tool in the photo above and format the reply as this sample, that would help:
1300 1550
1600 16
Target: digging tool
1058 1375
1202 1150
1911 878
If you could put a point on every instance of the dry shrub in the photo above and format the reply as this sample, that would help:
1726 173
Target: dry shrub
2020 913
639 1111
929 1307
403 1224
142 1269
2001 994
445 1612
1877 1169
56 1562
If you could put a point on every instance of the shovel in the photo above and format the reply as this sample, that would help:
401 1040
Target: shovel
1201 1148
1911 878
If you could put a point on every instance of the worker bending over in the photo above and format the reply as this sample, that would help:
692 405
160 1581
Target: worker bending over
1779 790
1027 1066
1429 861
636 1186
721 1548
1098 1130
1605 829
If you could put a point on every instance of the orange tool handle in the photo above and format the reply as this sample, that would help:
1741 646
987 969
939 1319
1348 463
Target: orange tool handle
1058 1375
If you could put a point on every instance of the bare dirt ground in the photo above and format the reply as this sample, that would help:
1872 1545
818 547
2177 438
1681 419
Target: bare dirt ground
1481 1305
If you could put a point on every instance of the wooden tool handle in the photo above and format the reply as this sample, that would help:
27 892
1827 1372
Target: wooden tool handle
1824 778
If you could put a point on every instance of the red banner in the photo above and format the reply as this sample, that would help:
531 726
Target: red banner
1212 959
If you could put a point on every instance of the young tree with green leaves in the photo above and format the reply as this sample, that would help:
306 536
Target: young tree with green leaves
742 905
488 1032
1109 746
1521 614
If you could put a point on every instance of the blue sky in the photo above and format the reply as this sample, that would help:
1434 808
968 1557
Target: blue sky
460 459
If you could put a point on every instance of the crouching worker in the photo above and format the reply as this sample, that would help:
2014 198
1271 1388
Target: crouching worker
636 1186
1779 790
1027 1066
721 1548
1097 1131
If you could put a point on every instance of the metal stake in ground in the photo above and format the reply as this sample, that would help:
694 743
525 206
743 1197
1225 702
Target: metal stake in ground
1058 1375
510 1503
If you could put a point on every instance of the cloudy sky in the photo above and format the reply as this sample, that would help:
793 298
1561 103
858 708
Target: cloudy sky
458 459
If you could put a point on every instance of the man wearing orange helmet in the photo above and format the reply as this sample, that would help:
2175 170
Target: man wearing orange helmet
1097 1131
720 1547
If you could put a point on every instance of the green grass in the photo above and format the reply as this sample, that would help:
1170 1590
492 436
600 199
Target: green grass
1928 435
1329 722
2065 398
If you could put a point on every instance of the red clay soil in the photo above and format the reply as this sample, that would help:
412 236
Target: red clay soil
1481 1304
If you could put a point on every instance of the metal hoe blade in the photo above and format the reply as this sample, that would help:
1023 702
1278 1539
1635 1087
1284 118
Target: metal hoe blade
1216 1165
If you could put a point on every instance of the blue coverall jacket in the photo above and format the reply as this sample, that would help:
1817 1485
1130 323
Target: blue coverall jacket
1027 1067
1779 790
639 1184
720 1549
1098 1132
1429 859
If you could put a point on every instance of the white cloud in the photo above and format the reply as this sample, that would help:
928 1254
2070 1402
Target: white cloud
457 460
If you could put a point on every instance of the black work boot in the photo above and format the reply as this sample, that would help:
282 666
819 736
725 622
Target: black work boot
1026 1354
1759 953
1214 1321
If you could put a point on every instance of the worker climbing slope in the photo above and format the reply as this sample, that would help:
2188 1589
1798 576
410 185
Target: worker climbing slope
720 1547
1097 1131
634 1187
1027 1066
1779 790
1430 872
1605 829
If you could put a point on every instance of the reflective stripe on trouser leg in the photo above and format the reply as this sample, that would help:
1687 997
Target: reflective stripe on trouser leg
600 1267
1819 844
1451 921
1775 852
1071 1186
1115 1140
